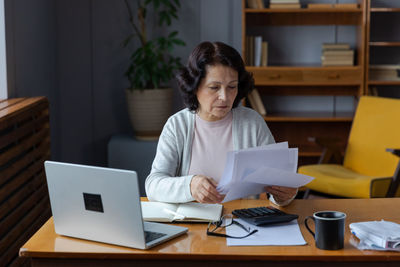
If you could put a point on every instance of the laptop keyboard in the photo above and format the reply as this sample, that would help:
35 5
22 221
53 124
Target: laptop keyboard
150 236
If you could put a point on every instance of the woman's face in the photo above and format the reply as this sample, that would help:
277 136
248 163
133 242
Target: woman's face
217 92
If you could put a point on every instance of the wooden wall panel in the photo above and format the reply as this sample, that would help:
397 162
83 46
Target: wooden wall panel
24 146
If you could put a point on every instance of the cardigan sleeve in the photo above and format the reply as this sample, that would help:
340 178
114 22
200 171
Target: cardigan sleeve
162 184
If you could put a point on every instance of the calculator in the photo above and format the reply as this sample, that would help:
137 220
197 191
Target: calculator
264 215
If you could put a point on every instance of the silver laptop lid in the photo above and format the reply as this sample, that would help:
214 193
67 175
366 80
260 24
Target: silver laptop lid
95 203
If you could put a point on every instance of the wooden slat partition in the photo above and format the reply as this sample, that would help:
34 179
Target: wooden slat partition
24 146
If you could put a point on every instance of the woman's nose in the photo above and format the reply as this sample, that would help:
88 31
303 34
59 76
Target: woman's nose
222 94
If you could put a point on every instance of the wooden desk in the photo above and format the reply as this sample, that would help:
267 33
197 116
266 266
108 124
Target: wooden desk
197 249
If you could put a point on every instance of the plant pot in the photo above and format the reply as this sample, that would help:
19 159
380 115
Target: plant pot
149 110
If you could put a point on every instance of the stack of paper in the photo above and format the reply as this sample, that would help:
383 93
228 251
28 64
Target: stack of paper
377 234
247 171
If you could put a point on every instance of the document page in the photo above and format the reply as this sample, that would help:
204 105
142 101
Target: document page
248 171
283 234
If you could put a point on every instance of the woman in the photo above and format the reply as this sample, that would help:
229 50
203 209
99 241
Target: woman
192 148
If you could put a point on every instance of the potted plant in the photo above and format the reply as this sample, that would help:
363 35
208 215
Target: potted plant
151 67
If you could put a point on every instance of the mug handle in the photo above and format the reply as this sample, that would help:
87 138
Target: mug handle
308 228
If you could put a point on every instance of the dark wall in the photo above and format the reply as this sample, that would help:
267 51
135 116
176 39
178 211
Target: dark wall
71 51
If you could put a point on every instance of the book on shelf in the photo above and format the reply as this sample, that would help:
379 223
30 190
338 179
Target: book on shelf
373 91
251 50
255 4
264 54
335 46
336 53
384 72
258 102
252 102
257 50
338 63
338 58
291 5
260 4
252 4
180 212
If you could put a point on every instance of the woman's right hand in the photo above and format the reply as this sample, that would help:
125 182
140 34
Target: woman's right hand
204 190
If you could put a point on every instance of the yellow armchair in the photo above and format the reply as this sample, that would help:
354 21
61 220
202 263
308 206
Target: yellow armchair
368 169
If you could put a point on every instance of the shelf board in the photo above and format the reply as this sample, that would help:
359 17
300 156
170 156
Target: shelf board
384 43
385 9
311 116
384 82
304 10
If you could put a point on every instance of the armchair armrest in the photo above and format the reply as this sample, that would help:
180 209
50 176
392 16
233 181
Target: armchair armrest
331 152
394 151
394 185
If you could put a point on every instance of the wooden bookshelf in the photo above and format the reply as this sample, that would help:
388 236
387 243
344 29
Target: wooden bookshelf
287 79
381 15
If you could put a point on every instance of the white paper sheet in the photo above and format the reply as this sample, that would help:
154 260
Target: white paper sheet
284 234
248 171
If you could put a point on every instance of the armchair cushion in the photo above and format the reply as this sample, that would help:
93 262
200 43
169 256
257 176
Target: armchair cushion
337 180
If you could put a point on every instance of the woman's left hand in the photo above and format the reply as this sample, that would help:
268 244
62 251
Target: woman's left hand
281 193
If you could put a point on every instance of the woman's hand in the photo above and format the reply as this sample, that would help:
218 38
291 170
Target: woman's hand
281 193
204 190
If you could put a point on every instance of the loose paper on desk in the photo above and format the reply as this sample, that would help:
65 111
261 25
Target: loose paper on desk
247 171
283 234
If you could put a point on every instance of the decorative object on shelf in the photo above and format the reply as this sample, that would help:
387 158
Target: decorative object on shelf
151 67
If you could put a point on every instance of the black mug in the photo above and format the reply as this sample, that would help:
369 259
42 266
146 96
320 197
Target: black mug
329 229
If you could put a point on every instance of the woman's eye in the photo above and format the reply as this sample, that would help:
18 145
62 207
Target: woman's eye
214 87
232 87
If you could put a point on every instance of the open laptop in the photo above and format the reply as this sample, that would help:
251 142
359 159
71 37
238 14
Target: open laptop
102 204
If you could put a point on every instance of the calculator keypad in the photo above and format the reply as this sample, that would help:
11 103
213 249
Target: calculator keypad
263 215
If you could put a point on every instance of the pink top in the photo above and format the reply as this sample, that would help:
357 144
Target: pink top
211 141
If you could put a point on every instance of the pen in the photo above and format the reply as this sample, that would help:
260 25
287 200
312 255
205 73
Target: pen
179 216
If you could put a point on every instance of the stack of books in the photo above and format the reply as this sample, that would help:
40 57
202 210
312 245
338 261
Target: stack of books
255 4
284 4
256 51
338 54
384 72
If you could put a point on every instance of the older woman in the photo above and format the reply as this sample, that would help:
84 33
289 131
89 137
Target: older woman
192 148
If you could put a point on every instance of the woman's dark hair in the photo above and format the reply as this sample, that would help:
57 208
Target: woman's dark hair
209 54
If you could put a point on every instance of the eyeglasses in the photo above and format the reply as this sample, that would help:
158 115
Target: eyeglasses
225 221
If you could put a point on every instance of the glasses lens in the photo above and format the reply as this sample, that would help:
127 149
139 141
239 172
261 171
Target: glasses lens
226 220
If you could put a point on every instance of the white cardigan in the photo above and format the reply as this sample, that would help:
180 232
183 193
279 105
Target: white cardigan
168 180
